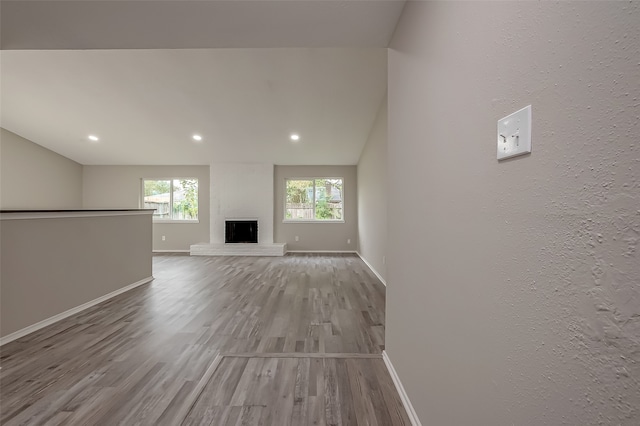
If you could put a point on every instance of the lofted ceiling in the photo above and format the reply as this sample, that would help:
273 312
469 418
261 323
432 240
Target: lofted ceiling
144 76
145 105
179 24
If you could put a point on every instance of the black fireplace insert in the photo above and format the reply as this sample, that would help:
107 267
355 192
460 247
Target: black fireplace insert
241 231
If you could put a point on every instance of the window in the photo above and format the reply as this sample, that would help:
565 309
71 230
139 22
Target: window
172 199
317 199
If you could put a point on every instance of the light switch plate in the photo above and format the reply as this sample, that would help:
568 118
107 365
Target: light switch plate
514 134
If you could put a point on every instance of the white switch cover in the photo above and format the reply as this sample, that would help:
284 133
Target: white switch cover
514 134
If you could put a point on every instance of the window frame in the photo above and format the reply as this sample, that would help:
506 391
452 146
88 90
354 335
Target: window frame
314 220
170 179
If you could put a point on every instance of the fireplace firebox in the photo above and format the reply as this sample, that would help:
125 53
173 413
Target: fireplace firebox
241 231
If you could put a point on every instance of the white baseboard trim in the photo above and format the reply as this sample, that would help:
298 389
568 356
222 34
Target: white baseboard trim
413 417
372 268
321 251
37 326
171 251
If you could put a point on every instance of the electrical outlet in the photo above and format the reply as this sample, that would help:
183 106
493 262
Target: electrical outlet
164 238
348 240
297 238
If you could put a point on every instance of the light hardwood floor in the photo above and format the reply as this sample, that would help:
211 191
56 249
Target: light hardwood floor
294 340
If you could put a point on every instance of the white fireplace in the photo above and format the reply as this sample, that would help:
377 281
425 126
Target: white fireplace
241 190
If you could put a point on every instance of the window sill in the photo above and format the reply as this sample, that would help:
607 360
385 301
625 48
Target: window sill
174 221
312 221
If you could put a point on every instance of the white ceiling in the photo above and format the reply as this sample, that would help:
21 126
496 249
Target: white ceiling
261 70
146 104
172 24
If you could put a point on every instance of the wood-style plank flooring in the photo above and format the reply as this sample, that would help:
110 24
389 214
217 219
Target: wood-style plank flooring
298 391
206 325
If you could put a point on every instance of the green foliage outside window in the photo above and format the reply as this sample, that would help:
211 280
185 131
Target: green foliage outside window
185 208
314 199
175 199
156 187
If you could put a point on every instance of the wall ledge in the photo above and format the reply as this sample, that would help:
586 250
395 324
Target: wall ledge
59 214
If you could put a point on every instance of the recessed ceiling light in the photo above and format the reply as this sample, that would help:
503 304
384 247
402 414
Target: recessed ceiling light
197 138
93 138
295 137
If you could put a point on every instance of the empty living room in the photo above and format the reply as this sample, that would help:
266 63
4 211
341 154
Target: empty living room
319 212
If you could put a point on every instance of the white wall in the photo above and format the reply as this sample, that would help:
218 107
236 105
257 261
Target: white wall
372 195
241 190
111 187
514 287
33 177
329 236
50 265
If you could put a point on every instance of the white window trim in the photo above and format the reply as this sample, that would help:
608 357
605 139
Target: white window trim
284 211
170 179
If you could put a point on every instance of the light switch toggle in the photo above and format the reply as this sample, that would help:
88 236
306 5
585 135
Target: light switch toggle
518 127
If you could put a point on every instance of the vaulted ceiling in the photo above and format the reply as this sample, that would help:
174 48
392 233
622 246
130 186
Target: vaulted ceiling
144 76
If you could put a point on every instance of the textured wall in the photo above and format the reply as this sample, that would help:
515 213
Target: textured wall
372 195
33 177
318 236
107 187
514 287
